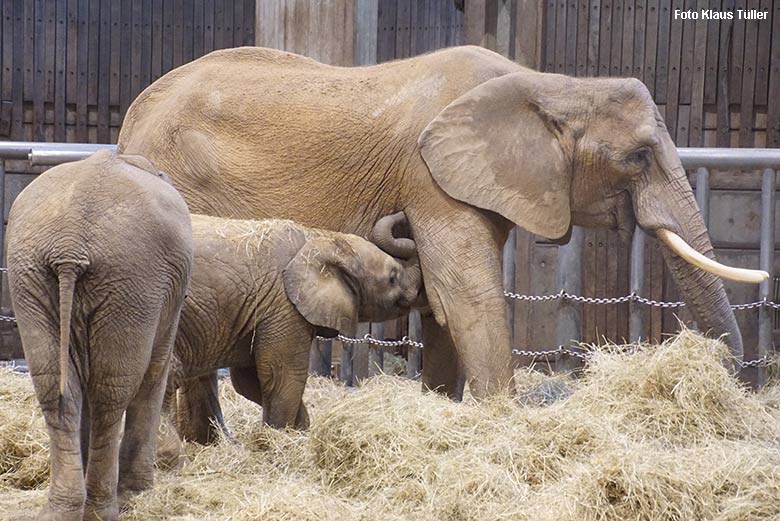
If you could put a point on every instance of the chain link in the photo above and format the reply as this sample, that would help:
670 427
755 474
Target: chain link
632 297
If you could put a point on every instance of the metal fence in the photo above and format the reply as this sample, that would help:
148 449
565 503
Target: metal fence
569 274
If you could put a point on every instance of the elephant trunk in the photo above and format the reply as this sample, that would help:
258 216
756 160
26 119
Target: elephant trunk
678 216
383 236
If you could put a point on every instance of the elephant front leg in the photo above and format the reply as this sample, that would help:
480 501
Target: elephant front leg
461 266
440 371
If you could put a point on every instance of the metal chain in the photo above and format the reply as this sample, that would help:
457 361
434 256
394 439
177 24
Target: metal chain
632 297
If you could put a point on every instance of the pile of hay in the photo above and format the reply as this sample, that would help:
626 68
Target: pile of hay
663 434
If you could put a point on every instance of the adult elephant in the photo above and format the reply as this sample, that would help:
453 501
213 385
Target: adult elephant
464 141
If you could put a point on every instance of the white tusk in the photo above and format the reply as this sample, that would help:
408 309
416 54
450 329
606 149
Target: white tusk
684 250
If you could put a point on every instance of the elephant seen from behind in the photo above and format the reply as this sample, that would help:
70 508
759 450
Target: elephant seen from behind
99 256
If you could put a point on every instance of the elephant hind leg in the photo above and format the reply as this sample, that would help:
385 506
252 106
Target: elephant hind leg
198 413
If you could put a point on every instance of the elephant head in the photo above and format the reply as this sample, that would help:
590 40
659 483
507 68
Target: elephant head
339 280
547 151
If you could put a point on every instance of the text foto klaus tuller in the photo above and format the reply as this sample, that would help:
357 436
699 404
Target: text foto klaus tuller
709 14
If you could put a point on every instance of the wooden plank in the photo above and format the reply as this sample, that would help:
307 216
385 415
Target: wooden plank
662 53
560 37
238 23
178 26
701 46
651 46
156 67
60 52
594 27
37 63
773 101
249 28
167 35
227 24
94 44
116 42
474 19
673 79
724 47
7 76
605 37
548 61
589 276
711 60
640 35
219 21
136 58
746 114
145 69
616 37
737 55
763 55
581 58
104 76
125 57
186 32
686 59
403 36
49 52
627 57
570 67
83 71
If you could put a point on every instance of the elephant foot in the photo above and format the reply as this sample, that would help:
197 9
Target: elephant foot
109 512
302 419
129 487
48 513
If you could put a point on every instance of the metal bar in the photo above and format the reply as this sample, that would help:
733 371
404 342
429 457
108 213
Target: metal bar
637 283
23 149
569 275
766 263
703 193
730 158
414 354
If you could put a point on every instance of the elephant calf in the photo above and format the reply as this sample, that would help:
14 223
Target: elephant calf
99 255
261 290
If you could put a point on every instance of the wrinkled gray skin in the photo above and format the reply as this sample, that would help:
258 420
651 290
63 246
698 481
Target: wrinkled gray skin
464 141
260 290
99 256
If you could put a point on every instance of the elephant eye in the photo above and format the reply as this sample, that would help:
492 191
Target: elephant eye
639 157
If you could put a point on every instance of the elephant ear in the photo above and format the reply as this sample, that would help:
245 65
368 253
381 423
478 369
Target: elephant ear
320 282
498 147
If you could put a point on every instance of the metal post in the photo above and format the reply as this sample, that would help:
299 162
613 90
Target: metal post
508 271
347 374
703 193
376 356
569 278
636 318
414 354
766 263
2 215
320 357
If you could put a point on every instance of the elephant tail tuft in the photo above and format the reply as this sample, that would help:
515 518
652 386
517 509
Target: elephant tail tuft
68 272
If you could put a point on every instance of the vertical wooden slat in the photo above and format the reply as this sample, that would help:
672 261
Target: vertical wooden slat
219 20
773 101
571 37
686 55
583 14
104 75
208 22
60 51
146 45
627 58
415 21
178 28
37 62
156 51
186 31
83 71
71 58
6 86
136 35
737 55
403 38
640 36
474 19
49 66
249 27
605 33
227 24
651 46
116 41
711 60
594 37
701 46
662 52
19 26
617 37
549 36
763 52
724 59
560 37
746 116
673 80
94 44
238 23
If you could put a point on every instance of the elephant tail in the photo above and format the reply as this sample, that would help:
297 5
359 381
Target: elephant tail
68 272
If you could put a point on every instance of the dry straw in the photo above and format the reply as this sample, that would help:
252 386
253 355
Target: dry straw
662 434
